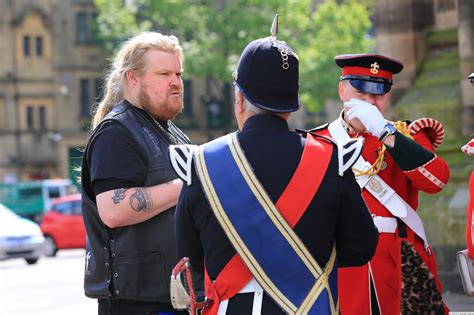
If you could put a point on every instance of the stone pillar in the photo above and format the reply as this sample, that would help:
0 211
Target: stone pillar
399 27
446 14
466 62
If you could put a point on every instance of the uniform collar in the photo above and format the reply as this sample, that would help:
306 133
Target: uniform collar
265 121
350 130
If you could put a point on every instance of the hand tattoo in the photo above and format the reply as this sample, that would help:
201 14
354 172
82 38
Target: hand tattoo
140 200
119 195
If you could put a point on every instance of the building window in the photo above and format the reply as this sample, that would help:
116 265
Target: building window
83 30
26 46
39 46
85 98
36 117
98 87
42 118
91 92
29 118
445 5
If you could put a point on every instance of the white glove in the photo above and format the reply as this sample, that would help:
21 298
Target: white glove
368 114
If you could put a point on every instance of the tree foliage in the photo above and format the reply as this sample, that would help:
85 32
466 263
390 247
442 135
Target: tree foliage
335 29
213 33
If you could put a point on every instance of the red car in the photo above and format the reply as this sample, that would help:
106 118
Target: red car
63 226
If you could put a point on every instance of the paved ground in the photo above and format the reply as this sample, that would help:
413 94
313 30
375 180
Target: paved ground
54 287
459 302
51 287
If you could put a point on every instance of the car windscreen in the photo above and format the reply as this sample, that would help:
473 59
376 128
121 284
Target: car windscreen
68 207
54 192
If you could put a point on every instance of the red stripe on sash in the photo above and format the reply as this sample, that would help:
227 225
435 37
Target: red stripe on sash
292 204
305 182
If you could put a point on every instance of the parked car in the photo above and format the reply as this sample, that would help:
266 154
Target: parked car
19 237
31 199
63 226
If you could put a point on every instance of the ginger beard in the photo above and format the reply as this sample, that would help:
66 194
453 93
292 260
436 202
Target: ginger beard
166 109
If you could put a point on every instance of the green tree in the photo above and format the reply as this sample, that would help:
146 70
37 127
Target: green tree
214 32
334 29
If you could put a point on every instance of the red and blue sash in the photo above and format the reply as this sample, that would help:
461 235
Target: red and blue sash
261 233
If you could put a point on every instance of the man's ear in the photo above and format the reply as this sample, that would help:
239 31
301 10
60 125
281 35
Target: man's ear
132 78
341 89
239 102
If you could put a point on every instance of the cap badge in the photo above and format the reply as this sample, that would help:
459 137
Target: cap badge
374 68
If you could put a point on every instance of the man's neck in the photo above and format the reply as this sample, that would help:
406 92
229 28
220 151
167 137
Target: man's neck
249 114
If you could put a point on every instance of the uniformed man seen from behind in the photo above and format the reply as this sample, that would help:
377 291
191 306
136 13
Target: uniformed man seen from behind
267 216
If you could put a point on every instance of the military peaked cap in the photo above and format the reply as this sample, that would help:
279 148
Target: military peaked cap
369 73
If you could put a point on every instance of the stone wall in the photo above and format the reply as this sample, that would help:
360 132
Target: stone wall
466 62
41 66
399 34
446 14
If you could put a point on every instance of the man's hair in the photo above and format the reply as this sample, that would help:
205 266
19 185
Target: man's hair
249 106
130 57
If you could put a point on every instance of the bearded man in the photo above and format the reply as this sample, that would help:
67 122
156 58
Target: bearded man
129 189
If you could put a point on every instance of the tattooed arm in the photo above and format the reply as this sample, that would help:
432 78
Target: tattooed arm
127 206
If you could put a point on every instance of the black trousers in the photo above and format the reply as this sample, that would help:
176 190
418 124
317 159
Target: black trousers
126 307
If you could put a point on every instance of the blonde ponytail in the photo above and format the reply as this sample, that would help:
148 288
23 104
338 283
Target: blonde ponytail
112 95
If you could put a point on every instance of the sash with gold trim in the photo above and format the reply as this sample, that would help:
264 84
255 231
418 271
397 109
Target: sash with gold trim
261 233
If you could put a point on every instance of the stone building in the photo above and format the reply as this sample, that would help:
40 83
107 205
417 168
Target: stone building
402 27
51 72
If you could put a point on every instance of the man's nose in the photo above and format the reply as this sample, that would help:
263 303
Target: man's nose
176 80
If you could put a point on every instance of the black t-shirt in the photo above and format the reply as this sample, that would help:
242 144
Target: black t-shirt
115 159
113 154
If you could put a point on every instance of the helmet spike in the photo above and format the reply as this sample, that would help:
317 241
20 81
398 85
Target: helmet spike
274 28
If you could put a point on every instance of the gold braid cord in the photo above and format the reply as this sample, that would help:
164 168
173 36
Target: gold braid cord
402 127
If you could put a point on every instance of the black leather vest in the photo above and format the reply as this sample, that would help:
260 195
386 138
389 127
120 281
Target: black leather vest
132 262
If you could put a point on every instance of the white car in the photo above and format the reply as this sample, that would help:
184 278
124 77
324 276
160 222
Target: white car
19 237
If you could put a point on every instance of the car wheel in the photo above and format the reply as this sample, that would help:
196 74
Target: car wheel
31 261
50 246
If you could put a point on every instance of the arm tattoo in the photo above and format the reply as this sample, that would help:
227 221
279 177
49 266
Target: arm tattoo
140 200
119 195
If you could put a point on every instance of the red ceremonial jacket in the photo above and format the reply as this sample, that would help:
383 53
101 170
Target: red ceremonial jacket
385 266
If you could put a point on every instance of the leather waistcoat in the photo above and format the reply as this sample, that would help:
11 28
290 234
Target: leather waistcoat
132 262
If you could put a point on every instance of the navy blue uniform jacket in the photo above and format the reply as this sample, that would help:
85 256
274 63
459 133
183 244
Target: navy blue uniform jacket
337 213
